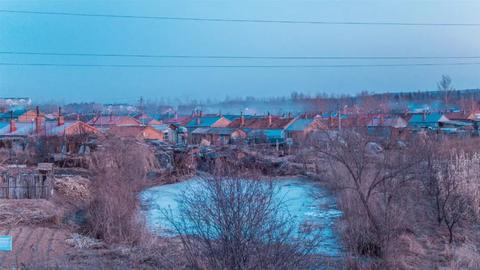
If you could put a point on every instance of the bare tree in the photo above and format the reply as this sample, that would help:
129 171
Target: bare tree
450 182
230 223
445 86
370 179
428 168
456 202
119 169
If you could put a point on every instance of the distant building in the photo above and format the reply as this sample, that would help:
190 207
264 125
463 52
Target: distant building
17 102
119 108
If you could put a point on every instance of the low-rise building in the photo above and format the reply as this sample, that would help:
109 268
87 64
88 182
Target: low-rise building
387 126
301 127
200 121
104 122
217 135
169 132
432 121
137 132
263 129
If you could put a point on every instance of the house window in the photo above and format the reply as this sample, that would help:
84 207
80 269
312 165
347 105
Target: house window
165 136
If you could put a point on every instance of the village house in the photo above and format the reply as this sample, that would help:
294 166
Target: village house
31 116
459 123
104 122
217 136
335 121
146 119
266 129
179 121
69 128
200 121
6 116
137 132
34 126
387 126
65 136
301 127
169 132
474 115
432 121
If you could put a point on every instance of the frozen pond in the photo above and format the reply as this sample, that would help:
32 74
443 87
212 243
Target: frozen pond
305 200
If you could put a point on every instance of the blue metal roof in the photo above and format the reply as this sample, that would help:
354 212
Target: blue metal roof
427 118
300 124
16 114
270 134
22 129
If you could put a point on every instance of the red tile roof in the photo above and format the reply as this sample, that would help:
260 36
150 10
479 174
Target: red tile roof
143 132
457 115
262 123
182 121
114 121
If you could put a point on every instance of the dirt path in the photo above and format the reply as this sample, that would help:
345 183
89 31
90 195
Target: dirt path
34 245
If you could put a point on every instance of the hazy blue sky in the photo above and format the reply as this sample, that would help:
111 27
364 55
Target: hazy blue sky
43 33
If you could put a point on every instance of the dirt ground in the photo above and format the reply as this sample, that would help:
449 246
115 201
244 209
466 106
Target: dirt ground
39 227
34 244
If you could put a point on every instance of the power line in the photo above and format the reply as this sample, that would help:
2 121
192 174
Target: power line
238 56
199 19
236 66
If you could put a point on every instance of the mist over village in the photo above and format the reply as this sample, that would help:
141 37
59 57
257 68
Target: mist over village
239 135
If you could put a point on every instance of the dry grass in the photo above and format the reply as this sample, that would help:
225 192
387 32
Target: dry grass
120 171
466 256
74 188
28 212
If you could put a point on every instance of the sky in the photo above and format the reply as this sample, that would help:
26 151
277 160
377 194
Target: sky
70 34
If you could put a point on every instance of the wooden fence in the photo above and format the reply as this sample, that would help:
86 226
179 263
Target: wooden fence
25 186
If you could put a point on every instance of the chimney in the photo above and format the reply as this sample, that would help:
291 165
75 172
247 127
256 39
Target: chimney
269 117
201 113
198 121
111 116
176 115
78 117
242 119
38 122
13 127
60 120
289 115
424 115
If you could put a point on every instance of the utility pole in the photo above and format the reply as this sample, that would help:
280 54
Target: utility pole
340 117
